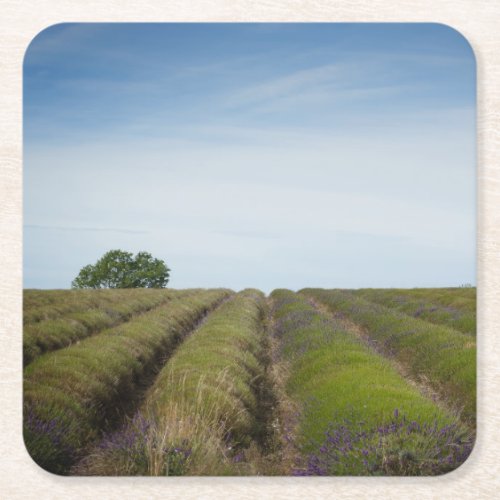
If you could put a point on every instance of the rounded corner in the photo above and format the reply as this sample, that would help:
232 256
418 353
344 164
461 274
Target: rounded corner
36 462
37 37
466 461
456 32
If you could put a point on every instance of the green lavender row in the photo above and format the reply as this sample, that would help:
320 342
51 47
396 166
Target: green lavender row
104 309
453 310
203 404
435 354
359 416
70 395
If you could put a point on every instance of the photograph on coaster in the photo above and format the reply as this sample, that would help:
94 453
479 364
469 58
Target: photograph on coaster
249 249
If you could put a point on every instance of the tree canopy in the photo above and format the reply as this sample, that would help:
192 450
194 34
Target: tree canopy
119 269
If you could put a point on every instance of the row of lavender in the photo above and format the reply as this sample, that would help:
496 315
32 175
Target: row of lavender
54 319
204 407
452 307
304 396
358 415
435 354
74 394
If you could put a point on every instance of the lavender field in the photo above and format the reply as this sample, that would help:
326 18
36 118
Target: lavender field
216 382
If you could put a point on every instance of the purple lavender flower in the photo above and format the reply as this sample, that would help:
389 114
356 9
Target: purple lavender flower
397 448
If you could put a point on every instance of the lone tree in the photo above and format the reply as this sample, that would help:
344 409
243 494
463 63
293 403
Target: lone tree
119 269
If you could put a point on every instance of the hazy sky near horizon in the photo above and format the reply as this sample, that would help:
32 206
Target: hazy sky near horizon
252 155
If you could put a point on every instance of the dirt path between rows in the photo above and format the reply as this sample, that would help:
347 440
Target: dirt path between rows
281 454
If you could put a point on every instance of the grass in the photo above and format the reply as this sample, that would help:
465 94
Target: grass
76 319
204 403
448 307
346 390
72 394
443 357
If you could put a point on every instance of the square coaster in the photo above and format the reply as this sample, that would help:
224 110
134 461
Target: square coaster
249 249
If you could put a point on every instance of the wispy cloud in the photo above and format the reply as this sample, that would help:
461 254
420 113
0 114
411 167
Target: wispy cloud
286 85
335 86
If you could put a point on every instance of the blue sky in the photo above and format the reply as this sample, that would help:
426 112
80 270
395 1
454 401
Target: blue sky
252 155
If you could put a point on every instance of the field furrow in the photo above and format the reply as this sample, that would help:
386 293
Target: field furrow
205 407
358 415
440 356
456 312
73 394
74 325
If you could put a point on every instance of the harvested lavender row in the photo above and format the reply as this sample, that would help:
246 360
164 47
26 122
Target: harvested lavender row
359 416
43 305
93 314
444 357
204 405
455 313
71 395
463 298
